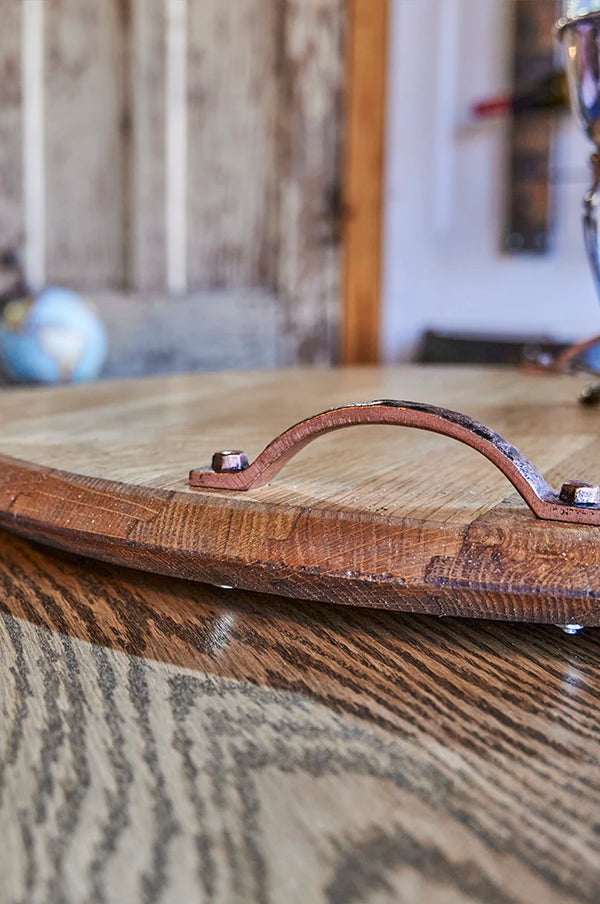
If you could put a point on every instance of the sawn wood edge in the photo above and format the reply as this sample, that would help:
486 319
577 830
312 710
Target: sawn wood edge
309 553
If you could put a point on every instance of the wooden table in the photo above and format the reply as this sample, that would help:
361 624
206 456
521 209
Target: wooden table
166 741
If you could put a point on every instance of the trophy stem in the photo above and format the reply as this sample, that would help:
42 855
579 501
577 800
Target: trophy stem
591 231
591 221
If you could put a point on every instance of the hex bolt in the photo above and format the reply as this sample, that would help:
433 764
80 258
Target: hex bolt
576 492
590 396
229 462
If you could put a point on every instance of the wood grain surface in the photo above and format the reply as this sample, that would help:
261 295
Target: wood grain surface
383 517
163 741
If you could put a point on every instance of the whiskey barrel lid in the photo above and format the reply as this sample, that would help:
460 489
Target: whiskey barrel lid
370 516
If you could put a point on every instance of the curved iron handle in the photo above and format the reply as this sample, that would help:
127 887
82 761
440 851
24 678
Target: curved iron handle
577 502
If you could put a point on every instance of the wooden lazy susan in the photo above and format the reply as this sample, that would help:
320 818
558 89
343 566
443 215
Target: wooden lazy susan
484 503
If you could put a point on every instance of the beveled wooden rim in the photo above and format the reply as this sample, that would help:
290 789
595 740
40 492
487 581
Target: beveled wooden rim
172 533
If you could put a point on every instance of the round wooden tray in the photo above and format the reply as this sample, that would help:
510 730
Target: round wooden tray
371 516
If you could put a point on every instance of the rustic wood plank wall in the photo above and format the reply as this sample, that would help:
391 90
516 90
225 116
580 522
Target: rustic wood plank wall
11 175
198 331
231 121
85 126
147 70
161 174
312 79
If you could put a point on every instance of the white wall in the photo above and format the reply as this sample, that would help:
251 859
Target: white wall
445 191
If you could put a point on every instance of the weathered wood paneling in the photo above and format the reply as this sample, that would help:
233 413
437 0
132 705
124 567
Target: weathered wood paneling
228 328
231 152
11 207
309 162
264 93
147 160
85 136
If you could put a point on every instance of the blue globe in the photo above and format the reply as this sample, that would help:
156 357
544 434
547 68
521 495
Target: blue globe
53 337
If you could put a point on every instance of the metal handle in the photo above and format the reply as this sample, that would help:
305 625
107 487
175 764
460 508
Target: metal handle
577 502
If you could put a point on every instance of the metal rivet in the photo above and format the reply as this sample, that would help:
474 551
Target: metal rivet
579 493
229 462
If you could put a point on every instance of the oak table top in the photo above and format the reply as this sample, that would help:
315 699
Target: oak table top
165 741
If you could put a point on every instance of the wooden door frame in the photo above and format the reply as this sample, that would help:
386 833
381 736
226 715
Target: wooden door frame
364 180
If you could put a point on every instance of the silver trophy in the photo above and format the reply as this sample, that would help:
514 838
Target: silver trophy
579 33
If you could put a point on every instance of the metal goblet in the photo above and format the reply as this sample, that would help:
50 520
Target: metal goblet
579 32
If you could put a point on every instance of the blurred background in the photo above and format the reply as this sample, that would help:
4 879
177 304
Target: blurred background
483 209
262 183
178 162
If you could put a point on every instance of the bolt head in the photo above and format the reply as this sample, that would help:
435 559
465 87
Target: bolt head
579 493
590 396
229 462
